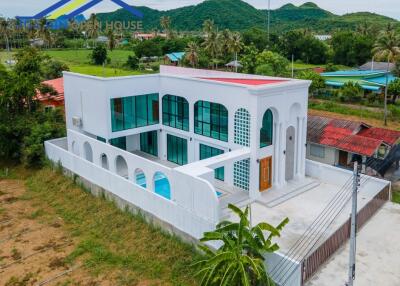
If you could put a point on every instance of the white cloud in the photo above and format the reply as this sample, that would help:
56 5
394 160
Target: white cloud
386 7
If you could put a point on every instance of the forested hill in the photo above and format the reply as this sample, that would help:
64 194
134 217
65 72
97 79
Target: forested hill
239 15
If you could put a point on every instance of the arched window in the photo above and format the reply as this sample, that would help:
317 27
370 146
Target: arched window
104 161
140 178
242 127
161 185
175 111
266 129
88 152
121 166
211 120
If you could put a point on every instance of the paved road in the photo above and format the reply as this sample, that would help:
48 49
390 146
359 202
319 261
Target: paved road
378 254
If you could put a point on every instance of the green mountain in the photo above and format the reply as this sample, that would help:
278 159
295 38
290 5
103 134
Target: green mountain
239 15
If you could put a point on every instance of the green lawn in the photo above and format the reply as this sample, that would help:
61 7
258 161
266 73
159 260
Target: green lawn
108 240
118 57
396 197
79 62
302 66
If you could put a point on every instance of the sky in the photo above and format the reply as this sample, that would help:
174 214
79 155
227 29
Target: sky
391 8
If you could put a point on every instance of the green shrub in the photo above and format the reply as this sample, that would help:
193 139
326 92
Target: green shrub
99 55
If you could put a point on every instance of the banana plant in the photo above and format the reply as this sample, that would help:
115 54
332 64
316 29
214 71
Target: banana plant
239 261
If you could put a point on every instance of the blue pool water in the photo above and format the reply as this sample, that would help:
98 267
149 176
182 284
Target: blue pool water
161 185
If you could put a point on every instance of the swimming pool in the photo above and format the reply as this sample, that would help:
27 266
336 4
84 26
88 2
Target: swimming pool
161 185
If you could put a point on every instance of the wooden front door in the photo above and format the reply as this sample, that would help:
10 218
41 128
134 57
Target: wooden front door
343 158
265 174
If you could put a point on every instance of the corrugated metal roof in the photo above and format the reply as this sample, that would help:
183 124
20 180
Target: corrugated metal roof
341 134
390 137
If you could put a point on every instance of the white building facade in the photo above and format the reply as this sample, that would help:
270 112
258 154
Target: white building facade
185 138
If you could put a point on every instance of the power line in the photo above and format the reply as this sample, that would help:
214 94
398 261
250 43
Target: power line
339 201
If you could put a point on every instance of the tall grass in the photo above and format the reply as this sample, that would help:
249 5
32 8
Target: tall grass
112 240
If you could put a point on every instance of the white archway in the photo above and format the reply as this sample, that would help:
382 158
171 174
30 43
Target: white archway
75 148
88 152
161 185
121 167
140 178
104 161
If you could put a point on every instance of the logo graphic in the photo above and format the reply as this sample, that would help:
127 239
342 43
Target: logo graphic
67 9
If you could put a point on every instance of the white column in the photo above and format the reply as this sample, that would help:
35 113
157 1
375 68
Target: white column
300 146
303 146
282 157
297 147
275 157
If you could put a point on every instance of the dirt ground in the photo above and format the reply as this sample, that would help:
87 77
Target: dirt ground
374 122
33 251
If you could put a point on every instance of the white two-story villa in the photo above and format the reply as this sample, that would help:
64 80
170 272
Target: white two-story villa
182 144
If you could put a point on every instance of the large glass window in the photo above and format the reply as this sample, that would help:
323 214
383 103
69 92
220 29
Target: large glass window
211 120
177 150
149 143
119 142
134 111
208 152
266 129
175 112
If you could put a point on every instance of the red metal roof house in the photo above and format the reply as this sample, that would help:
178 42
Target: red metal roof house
338 142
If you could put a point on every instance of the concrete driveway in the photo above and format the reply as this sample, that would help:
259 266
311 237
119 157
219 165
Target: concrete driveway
378 254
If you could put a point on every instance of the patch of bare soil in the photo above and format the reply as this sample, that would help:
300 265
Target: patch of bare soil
32 249
374 122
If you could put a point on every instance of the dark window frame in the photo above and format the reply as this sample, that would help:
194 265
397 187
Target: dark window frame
211 120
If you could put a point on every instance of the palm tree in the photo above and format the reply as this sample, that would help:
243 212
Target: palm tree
212 45
236 45
240 260
208 26
112 42
92 28
192 53
226 39
387 47
32 29
5 30
165 23
364 29
43 32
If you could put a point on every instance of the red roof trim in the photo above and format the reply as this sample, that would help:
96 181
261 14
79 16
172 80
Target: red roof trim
245 81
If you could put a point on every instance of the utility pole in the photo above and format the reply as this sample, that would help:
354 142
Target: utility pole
353 230
268 20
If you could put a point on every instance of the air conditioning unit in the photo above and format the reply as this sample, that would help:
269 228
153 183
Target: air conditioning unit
77 121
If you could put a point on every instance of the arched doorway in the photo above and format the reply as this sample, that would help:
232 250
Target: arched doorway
290 153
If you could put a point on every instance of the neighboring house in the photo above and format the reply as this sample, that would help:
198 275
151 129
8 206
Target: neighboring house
174 58
323 37
147 36
377 66
339 142
374 81
49 100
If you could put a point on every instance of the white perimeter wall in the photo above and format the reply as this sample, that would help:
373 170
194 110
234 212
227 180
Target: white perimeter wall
193 209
